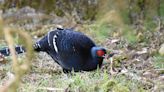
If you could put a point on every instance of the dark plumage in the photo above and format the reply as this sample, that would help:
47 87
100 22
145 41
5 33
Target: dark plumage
71 50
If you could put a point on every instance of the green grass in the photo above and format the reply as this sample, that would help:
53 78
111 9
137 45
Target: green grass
100 32
96 81
129 35
158 62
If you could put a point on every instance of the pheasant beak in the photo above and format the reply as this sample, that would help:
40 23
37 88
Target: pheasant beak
105 56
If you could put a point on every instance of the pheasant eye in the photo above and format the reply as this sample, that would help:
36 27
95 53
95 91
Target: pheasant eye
100 53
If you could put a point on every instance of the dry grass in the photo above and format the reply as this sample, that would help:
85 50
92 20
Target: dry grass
19 69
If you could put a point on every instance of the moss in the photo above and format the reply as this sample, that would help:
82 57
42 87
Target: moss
108 85
120 88
59 12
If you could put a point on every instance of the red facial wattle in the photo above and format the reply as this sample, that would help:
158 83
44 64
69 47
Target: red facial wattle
100 53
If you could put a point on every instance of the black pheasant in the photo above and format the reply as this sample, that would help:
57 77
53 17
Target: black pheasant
72 50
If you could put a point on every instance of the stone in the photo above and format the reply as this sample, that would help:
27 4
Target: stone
161 50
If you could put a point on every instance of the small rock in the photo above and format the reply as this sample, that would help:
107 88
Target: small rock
10 75
144 50
115 40
161 78
150 74
161 50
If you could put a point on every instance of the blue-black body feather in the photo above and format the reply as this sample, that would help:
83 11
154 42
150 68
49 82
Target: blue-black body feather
73 50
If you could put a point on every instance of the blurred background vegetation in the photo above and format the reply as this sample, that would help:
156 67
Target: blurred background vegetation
132 28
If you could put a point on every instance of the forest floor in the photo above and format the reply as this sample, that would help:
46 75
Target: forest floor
137 65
